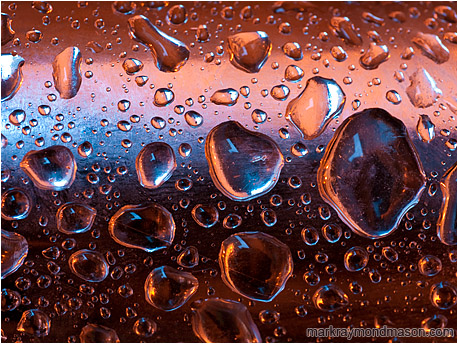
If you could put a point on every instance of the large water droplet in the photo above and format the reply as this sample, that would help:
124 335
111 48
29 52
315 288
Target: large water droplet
330 298
16 204
75 218
280 92
67 72
432 47
293 50
429 265
425 129
169 53
238 325
356 259
155 164
163 97
443 295
249 50
17 117
7 31
255 265
42 6
90 266
177 15
422 90
92 333
124 7
446 224
243 164
149 227
446 13
344 28
35 323
167 288
14 252
11 75
52 168
227 96
374 56
319 103
371 173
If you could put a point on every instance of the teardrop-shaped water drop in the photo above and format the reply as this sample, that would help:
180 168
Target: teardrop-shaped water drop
155 164
356 259
249 50
67 72
425 129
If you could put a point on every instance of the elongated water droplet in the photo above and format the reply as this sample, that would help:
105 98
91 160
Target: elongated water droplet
7 31
249 50
242 254
227 96
446 13
374 56
393 97
75 218
432 47
88 265
145 227
193 118
67 72
14 252
169 53
446 224
11 75
425 129
168 289
238 325
205 216
330 298
319 103
155 164
52 168
344 28
422 90
243 164
363 173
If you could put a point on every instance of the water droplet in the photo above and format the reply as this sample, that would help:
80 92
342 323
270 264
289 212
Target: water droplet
446 13
293 50
330 298
443 295
7 31
132 66
124 7
145 227
317 105
92 333
189 257
177 15
67 72
434 322
422 90
17 117
16 204
374 147
185 149
249 50
193 118
425 129
227 96
241 256
14 252
158 122
258 116
75 218
280 92
34 322
374 56
163 97
42 6
52 168
141 80
431 46
243 164
293 73
429 265
169 53
269 217
331 233
446 224
232 221
393 97
238 325
344 28
145 327
310 236
85 149
11 68
168 289
34 36
339 53
88 265
155 164
205 216
356 259
269 317
299 149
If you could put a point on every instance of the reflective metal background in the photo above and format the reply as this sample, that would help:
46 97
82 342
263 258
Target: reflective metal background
399 296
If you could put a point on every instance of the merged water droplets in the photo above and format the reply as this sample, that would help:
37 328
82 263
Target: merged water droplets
432 47
238 325
330 298
249 50
90 266
146 227
169 53
67 72
425 128
52 168
446 224
11 69
14 252
422 90
167 288
371 173
93 333
155 164
321 101
374 56
75 218
243 164
344 28
255 265
227 96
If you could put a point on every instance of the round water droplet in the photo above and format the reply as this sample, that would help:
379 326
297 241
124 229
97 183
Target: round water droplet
17 117
155 164
310 236
205 216
331 232
123 105
132 66
145 327
356 259
189 257
232 221
443 295
269 217
88 265
75 218
330 298
14 251
16 204
193 118
280 92
163 97
429 265
35 323
177 15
